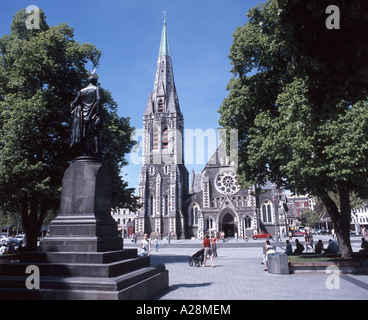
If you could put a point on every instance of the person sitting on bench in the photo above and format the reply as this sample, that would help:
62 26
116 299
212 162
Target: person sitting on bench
318 248
332 247
299 247
364 246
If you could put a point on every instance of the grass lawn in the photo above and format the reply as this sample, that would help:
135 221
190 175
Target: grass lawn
311 257
322 257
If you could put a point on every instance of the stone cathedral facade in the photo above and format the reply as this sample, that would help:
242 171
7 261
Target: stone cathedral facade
212 201
164 179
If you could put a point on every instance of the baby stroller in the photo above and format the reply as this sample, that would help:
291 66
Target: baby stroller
197 258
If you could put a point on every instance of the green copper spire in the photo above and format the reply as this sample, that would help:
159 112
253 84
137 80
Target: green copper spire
164 47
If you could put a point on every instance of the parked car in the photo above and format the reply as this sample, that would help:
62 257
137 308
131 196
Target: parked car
3 240
324 231
14 240
20 237
298 233
262 235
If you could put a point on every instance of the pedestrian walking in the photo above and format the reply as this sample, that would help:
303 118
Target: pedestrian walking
278 236
269 250
364 232
156 244
311 240
207 251
145 246
213 246
306 240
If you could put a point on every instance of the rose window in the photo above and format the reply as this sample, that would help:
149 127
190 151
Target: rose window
226 182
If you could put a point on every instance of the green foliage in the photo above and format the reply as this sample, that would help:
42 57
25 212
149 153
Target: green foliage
332 61
299 126
41 72
259 59
309 218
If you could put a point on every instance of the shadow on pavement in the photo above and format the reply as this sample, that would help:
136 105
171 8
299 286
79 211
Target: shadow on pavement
165 259
183 285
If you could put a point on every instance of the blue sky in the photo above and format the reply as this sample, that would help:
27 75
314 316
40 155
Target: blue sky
129 34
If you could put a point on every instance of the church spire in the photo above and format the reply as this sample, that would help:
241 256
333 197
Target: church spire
163 181
164 46
164 98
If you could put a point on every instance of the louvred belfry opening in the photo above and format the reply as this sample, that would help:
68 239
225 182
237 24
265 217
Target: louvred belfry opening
155 138
160 106
165 139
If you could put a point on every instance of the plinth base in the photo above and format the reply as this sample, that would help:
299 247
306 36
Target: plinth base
115 275
83 257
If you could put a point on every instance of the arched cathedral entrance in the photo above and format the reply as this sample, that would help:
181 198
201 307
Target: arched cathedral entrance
228 225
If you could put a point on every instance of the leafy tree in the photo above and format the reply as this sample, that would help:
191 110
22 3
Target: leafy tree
283 135
309 218
332 61
355 202
41 71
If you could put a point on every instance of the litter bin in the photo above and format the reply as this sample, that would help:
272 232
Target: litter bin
278 263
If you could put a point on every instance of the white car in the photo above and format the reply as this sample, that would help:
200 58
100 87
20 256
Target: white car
20 237
3 240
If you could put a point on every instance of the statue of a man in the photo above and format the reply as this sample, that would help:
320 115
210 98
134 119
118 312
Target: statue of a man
86 112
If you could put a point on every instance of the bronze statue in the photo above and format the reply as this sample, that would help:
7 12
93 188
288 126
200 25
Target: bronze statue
86 112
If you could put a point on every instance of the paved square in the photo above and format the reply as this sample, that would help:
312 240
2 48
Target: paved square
239 275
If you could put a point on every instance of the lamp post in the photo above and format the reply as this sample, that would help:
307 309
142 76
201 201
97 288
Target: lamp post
286 209
256 193
274 207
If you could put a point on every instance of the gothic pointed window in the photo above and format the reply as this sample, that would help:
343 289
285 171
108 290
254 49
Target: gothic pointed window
193 211
165 139
195 215
267 211
247 222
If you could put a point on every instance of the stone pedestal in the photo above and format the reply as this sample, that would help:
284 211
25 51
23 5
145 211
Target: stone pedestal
84 223
83 257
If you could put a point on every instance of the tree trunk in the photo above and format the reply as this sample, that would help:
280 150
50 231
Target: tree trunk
32 221
340 220
343 226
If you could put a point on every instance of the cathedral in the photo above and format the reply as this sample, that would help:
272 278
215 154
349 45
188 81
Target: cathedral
177 207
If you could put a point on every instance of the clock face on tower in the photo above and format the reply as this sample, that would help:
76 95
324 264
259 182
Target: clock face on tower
226 182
